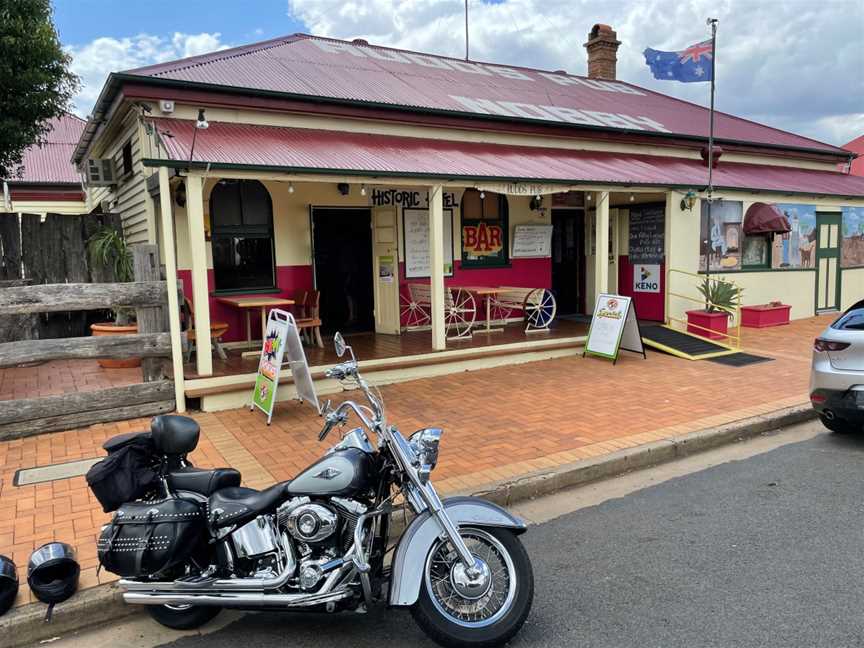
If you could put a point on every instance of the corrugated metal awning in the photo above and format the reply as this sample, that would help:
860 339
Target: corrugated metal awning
298 150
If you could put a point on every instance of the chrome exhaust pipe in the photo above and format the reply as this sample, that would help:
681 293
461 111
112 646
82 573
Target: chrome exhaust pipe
828 414
224 584
235 599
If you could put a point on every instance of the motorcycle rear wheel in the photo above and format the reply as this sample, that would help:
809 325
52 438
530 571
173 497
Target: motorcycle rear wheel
183 617
488 619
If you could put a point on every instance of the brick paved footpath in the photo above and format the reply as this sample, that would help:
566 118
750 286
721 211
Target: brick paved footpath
499 423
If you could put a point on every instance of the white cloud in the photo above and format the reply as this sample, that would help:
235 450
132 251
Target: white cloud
95 60
793 65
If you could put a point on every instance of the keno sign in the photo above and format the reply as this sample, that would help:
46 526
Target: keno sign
646 278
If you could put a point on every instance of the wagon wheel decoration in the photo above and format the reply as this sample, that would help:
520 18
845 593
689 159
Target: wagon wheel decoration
499 311
540 308
460 312
413 315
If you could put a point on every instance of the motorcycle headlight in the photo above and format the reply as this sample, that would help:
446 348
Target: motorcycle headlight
425 443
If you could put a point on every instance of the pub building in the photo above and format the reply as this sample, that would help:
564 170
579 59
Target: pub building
408 193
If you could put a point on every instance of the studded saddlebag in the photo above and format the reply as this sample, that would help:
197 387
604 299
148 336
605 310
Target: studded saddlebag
146 538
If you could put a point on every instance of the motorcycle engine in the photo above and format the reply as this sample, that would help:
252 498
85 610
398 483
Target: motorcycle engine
322 531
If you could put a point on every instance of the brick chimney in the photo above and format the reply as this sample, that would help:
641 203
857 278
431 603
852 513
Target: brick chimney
602 49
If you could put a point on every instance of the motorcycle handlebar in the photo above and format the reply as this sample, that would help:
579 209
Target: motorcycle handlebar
340 415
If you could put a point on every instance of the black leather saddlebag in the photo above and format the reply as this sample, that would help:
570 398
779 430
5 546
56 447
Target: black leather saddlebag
146 538
126 474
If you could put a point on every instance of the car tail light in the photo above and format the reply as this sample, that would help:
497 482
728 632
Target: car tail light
821 344
816 397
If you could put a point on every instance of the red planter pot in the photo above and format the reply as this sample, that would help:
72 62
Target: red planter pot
109 328
717 323
765 315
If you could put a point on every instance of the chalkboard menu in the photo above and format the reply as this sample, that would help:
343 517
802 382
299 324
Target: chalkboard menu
415 227
647 234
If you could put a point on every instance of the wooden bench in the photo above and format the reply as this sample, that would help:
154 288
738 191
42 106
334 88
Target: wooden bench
537 305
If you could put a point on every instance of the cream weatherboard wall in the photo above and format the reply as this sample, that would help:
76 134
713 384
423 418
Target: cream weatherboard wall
851 287
793 287
129 196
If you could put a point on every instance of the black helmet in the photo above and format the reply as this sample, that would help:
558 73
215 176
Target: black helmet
8 583
52 573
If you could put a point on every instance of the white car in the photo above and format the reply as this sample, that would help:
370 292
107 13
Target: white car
837 374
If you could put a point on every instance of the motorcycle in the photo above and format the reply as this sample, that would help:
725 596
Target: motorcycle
321 541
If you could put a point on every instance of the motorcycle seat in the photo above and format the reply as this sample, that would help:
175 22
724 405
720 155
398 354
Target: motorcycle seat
203 482
174 435
238 505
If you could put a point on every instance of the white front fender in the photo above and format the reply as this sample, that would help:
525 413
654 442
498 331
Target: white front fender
414 545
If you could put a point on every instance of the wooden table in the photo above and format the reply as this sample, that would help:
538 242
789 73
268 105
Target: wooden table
247 304
487 292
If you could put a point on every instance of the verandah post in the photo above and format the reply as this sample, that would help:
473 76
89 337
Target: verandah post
200 291
436 261
601 253
170 261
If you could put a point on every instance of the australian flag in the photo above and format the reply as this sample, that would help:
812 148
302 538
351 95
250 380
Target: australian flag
690 65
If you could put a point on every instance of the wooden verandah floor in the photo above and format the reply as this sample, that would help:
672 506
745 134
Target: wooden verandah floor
371 346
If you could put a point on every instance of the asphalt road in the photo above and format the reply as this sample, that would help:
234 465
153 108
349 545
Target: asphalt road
764 551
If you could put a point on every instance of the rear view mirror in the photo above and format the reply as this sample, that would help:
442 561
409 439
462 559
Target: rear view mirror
339 343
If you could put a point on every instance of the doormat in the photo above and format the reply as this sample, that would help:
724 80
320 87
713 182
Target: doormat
740 359
40 474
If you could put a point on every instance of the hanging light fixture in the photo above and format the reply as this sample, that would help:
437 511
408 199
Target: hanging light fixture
482 195
632 197
290 187
202 123
362 189
588 194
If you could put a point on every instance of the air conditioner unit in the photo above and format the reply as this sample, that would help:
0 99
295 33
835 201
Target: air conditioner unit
100 172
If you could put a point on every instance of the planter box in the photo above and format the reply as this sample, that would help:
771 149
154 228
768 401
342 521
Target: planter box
764 315
718 323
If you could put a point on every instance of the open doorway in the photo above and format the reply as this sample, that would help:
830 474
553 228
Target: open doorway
342 244
568 260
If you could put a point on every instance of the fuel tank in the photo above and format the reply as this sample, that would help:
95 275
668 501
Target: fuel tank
342 473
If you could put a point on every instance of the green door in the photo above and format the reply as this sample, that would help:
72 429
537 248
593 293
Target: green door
827 262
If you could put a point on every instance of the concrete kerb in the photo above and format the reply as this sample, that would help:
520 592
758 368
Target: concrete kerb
25 625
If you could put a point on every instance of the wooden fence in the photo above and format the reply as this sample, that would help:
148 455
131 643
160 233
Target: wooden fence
50 251
148 295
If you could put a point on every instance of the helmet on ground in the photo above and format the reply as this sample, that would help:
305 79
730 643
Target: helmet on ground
52 572
8 584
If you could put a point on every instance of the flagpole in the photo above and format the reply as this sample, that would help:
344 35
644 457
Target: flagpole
712 22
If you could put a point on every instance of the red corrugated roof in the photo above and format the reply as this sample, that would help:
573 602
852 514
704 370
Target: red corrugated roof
308 66
50 162
857 146
298 149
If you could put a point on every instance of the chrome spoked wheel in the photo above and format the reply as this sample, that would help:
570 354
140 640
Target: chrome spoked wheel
472 602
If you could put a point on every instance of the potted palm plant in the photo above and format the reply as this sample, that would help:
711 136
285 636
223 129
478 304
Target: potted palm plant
712 322
108 249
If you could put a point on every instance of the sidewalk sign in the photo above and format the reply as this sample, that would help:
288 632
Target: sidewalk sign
281 335
614 327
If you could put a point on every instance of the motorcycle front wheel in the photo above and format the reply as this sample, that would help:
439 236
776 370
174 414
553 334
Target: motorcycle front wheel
456 612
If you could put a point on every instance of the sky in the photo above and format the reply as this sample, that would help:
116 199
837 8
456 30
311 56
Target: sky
797 65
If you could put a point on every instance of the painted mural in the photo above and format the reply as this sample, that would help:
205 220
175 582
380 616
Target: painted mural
797 248
723 236
852 246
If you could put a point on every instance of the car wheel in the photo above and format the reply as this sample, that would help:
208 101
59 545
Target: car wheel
839 426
